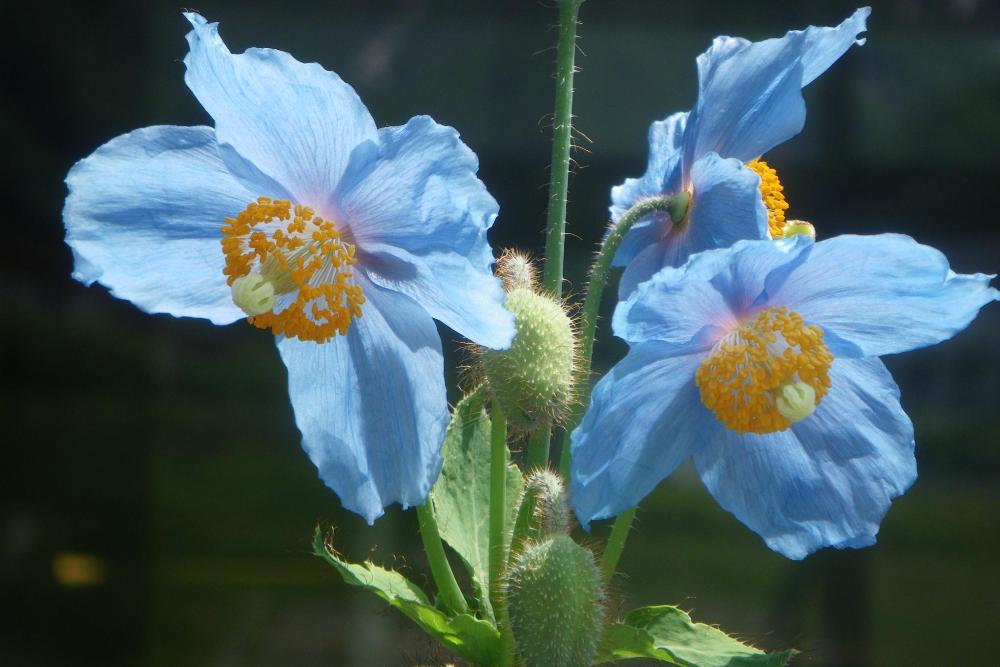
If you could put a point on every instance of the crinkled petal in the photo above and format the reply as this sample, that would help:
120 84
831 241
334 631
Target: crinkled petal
726 207
750 93
827 481
296 122
644 419
144 214
692 306
662 177
371 405
881 294
419 216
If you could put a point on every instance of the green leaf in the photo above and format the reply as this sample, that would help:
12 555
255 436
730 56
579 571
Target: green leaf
473 639
668 634
461 496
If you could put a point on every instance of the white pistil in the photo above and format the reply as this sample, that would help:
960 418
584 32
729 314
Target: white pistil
795 401
253 294
798 228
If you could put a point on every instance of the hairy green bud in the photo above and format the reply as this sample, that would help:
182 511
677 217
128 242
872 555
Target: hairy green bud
516 270
551 512
555 599
533 379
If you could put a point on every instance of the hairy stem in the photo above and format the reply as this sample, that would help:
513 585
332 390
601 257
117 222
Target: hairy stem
562 124
498 500
674 206
538 447
444 578
616 543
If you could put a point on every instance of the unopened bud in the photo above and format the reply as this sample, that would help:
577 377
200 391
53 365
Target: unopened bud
555 597
533 379
551 511
516 270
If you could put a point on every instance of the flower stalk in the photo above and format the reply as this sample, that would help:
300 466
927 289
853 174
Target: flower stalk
616 542
562 127
441 571
538 447
498 491
676 207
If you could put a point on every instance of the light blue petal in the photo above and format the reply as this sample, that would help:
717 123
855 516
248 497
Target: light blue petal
296 122
827 481
371 405
419 216
881 294
824 46
639 238
726 207
662 177
143 217
750 93
644 419
643 266
691 307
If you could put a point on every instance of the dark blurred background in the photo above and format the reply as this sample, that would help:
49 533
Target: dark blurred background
156 508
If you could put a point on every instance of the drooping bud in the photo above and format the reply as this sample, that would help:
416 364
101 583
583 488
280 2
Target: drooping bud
555 598
796 401
533 379
253 294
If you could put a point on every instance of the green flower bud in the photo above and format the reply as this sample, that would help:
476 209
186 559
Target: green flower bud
516 270
555 599
533 379
552 513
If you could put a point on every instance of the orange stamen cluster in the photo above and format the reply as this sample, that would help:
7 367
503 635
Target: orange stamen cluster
299 253
773 194
741 379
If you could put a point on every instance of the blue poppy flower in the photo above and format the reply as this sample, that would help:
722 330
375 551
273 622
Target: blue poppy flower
296 213
749 101
760 362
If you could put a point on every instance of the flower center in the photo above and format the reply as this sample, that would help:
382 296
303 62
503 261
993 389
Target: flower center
770 372
290 270
773 194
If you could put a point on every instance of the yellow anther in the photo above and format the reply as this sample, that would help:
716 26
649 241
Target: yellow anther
770 372
302 259
772 192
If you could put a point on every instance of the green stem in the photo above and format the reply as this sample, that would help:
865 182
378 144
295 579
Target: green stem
616 543
524 523
562 125
444 578
676 208
538 447
498 501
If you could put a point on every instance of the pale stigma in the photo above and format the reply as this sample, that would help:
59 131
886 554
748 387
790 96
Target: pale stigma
253 295
796 401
